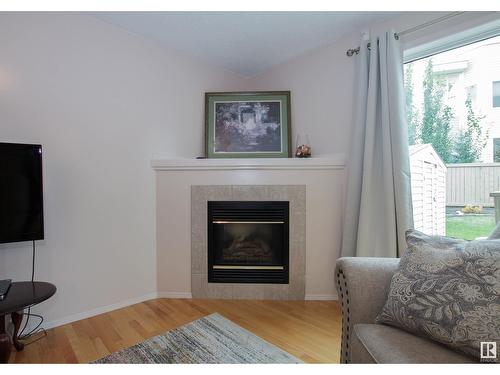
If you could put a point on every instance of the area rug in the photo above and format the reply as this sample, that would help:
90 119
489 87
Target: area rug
211 339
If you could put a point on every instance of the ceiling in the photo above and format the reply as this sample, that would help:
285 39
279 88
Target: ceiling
247 43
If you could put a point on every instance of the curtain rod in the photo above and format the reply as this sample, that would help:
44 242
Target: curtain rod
354 51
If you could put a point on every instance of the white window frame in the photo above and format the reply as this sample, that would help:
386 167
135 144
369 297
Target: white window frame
459 39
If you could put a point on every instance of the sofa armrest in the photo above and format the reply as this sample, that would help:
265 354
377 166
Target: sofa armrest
362 286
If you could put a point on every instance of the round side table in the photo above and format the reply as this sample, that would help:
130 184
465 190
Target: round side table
21 295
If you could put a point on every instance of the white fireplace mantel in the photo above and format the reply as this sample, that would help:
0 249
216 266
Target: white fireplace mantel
334 161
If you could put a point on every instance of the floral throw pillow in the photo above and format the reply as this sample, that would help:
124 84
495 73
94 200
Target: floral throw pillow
447 290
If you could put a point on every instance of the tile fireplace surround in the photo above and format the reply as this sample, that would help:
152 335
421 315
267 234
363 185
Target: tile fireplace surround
314 188
200 195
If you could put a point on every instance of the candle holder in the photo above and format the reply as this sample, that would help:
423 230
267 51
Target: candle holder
302 146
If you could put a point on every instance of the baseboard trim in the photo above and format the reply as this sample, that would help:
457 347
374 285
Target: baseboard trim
321 297
174 295
99 310
147 297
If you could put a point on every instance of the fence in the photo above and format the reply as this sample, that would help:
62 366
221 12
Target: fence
472 184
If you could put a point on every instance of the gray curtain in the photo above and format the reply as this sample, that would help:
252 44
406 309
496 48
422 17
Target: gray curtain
378 206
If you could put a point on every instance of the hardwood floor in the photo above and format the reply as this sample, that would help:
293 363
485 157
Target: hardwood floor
310 330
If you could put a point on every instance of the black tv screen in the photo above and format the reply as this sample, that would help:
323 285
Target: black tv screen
21 192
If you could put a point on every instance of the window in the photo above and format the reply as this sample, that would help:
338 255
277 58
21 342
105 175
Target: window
496 94
496 150
452 131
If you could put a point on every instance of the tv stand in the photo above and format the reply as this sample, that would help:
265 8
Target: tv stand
4 288
21 296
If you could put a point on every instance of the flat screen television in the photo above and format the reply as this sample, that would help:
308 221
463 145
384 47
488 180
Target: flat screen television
21 192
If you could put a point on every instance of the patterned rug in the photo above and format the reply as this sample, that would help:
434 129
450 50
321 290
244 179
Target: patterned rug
211 339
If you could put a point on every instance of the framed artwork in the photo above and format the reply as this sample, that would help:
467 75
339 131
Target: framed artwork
247 124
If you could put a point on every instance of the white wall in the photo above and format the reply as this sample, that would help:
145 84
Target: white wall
101 101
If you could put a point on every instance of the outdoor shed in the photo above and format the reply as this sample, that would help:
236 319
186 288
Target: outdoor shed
428 187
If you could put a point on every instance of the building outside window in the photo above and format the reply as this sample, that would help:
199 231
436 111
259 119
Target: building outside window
496 150
496 94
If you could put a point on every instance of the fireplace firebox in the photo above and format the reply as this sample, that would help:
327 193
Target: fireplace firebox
248 242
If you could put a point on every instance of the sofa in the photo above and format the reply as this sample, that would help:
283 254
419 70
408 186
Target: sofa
362 285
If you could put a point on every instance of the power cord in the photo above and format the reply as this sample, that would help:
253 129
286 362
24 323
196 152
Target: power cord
37 329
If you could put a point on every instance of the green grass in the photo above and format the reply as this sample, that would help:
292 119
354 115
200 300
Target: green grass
470 227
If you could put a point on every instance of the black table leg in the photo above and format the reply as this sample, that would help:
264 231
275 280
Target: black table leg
17 318
4 342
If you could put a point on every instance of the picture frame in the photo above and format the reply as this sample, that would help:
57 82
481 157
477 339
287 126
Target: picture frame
248 124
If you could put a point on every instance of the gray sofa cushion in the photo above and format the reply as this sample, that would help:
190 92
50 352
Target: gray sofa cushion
376 343
495 235
447 290
359 352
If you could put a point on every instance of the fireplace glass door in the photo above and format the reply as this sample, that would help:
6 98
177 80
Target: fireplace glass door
248 242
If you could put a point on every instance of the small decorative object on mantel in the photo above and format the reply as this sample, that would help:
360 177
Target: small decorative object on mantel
302 146
247 124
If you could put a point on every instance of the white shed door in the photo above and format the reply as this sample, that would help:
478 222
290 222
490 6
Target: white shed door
431 221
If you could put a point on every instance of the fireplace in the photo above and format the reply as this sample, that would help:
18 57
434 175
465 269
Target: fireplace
248 242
